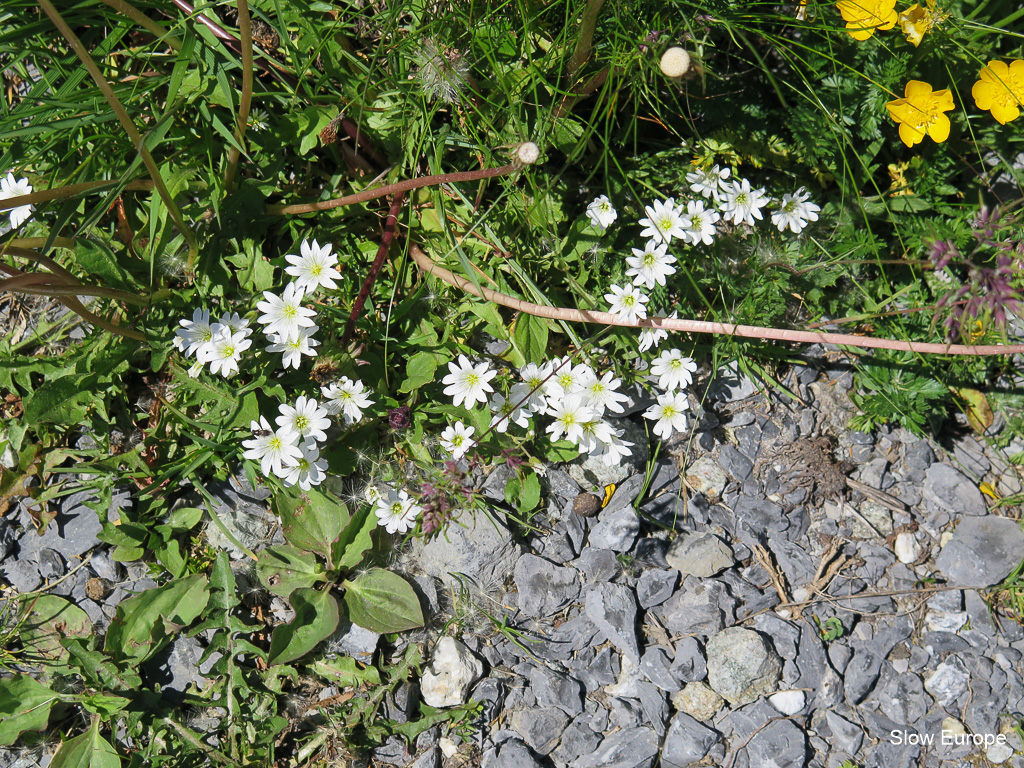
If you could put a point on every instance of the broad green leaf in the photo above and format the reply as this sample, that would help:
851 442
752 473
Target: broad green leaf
24 706
354 541
312 521
60 401
90 750
45 620
382 601
144 623
531 338
419 371
283 569
103 704
345 672
95 258
97 668
529 493
316 618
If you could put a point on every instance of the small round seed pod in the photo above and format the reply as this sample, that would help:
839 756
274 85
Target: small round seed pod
675 62
527 153
586 504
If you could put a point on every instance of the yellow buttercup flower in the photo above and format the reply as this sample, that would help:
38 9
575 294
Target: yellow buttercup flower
863 17
920 112
1001 90
915 21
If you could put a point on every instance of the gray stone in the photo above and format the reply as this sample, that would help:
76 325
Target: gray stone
948 490
982 552
779 743
948 682
556 547
628 748
687 742
615 530
625 493
689 664
626 713
544 588
51 564
847 736
591 471
597 565
22 575
512 754
970 454
612 607
918 455
900 697
784 634
74 531
700 607
871 646
480 547
176 667
602 671
352 640
491 693
431 758
578 739
553 689
979 613
541 728
741 665
735 463
731 386
246 514
656 665
568 639
759 515
698 700
706 476
655 586
451 672
700 554
560 484
105 567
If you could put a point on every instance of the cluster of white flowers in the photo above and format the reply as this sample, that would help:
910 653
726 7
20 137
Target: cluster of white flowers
220 344
292 451
9 187
396 511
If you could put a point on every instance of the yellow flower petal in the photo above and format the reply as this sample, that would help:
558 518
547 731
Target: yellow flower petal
910 135
915 22
939 128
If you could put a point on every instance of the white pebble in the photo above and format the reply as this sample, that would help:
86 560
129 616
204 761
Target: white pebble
906 548
788 702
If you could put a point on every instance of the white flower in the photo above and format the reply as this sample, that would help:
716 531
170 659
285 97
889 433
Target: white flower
601 394
234 323
650 266
532 388
272 448
628 303
566 378
194 333
596 433
373 493
699 223
457 439
396 512
10 188
507 412
468 382
348 397
195 369
313 269
614 450
307 419
664 221
742 203
259 120
708 183
669 413
601 213
673 370
308 470
285 314
293 349
224 351
794 211
570 414
652 337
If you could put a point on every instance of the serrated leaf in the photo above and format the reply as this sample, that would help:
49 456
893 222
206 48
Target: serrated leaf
90 750
316 618
143 624
345 672
283 569
24 706
382 602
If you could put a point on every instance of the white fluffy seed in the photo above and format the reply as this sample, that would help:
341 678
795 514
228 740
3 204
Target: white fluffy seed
675 62
528 153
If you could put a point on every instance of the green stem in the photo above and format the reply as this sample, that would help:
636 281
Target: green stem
59 193
133 13
245 33
192 739
585 42
129 127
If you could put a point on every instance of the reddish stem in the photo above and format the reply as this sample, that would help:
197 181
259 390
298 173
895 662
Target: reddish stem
378 263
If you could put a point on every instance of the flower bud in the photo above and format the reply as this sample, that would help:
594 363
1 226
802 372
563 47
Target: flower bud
527 153
675 62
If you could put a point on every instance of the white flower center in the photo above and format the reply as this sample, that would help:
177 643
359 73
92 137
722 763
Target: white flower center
665 223
472 380
301 423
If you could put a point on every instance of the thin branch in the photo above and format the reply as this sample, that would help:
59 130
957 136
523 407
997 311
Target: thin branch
234 154
378 263
59 193
703 326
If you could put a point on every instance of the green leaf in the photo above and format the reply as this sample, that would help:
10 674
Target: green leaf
48 618
531 338
283 569
90 750
60 401
144 623
312 521
419 371
103 704
561 452
345 672
382 602
316 618
529 493
254 272
24 706
97 259
354 541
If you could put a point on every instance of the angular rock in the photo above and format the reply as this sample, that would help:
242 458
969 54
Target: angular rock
628 748
613 609
788 702
541 728
615 530
983 550
780 742
948 682
735 463
700 607
512 754
656 665
480 546
452 671
597 564
544 588
655 586
687 742
698 700
741 665
847 736
553 689
706 476
578 739
900 697
689 664
700 554
949 490
591 471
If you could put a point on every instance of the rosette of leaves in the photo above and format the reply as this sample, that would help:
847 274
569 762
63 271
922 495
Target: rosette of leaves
319 571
